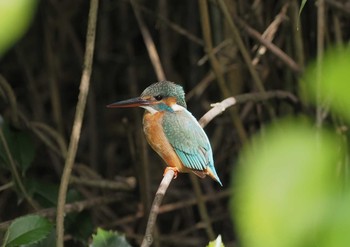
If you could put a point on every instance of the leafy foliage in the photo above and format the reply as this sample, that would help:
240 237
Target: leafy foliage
289 189
27 230
15 18
216 243
21 147
108 239
329 79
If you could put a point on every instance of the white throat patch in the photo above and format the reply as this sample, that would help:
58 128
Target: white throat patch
150 109
177 107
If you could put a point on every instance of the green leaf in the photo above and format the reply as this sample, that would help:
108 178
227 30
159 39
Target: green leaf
50 240
27 230
21 147
79 226
15 17
328 81
337 231
108 239
216 243
285 186
45 193
303 2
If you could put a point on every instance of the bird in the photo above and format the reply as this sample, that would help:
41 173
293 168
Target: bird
172 131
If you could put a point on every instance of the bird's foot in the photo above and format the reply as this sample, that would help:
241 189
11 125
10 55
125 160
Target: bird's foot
176 171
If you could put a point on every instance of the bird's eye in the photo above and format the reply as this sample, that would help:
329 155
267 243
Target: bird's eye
158 97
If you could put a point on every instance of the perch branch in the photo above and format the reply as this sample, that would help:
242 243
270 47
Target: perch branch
218 108
168 177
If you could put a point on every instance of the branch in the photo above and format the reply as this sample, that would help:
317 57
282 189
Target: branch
79 114
218 108
168 177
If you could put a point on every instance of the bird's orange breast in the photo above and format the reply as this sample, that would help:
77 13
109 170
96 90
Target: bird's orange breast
152 126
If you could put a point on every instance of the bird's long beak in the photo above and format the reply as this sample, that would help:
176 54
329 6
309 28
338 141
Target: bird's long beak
134 102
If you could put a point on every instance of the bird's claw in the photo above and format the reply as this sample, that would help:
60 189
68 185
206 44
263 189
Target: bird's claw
171 168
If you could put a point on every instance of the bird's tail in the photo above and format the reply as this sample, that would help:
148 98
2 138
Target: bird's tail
212 173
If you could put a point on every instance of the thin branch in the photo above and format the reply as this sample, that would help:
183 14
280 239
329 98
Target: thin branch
9 95
238 39
216 67
125 185
75 136
172 25
218 108
168 177
73 207
151 48
270 46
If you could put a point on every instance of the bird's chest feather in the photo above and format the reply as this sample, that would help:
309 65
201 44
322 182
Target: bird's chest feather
152 126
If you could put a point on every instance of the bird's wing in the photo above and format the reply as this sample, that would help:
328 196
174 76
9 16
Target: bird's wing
188 139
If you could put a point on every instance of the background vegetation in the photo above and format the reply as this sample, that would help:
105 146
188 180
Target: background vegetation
255 50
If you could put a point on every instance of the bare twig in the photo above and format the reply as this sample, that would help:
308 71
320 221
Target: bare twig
239 99
75 136
73 207
174 26
151 48
270 46
238 39
126 185
217 69
9 95
168 177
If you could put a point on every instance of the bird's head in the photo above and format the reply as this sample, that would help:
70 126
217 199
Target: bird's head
160 96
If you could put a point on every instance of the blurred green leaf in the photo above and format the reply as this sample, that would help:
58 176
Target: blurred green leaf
79 225
27 230
15 17
216 243
330 81
108 239
336 233
21 147
285 186
302 4
45 193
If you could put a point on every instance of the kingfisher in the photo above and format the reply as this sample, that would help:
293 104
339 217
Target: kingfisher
172 131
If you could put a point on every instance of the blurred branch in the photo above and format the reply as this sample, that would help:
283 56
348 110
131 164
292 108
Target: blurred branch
39 129
125 185
9 96
206 30
151 48
270 46
341 6
74 207
170 24
237 38
75 136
